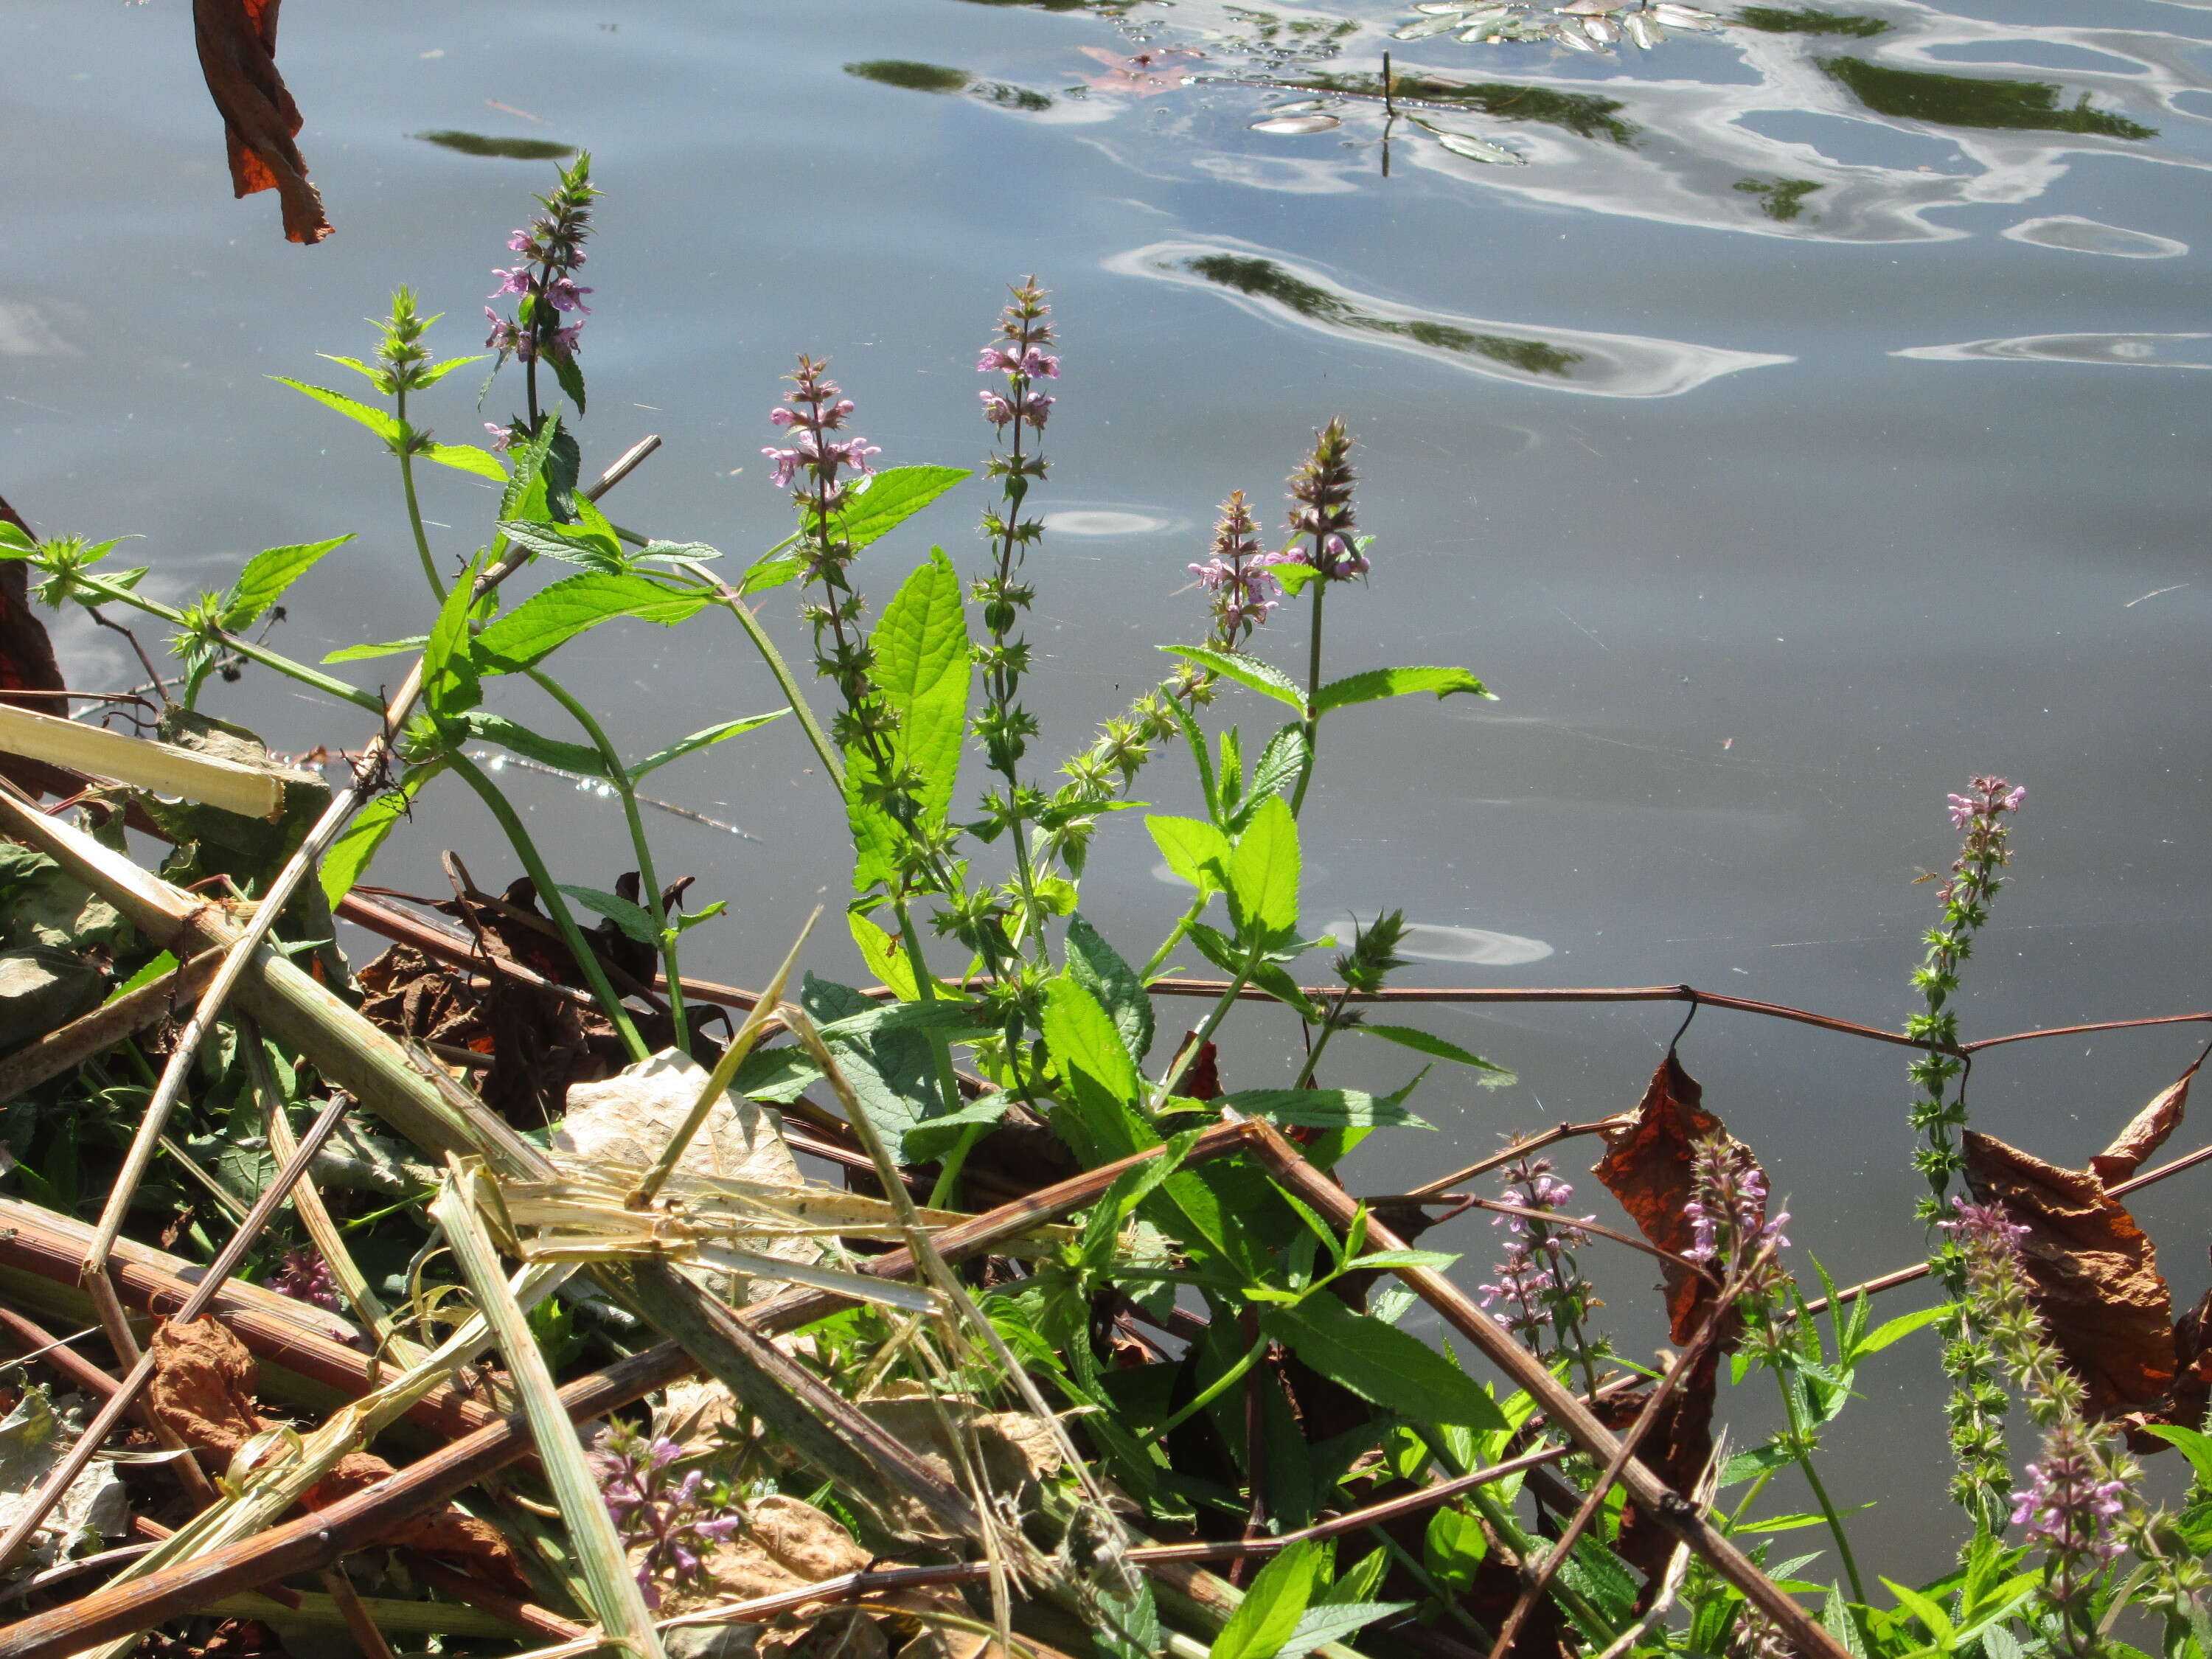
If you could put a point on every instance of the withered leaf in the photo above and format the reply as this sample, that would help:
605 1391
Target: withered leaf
237 41
2192 1370
2094 1274
1677 1450
202 1387
27 663
1647 1167
2146 1131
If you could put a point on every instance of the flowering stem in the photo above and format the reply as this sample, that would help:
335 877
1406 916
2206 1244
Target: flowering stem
556 905
1313 690
618 775
414 508
793 697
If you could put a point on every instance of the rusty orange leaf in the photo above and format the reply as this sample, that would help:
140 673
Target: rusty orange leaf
237 41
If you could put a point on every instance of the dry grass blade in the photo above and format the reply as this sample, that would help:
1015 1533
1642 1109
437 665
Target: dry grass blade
145 763
616 1596
726 1071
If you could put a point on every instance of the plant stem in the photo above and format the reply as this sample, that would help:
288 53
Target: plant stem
619 776
1151 968
776 665
1803 1457
247 648
414 509
1329 1027
556 906
1204 1035
1313 686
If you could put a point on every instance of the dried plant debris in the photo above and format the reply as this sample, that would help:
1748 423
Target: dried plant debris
32 1438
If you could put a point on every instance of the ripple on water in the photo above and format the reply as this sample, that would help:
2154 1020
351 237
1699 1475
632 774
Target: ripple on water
1261 281
1437 941
1104 521
2119 350
2076 235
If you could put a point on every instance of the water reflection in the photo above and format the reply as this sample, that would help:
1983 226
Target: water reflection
2074 235
941 78
1435 941
2119 350
1963 100
1561 359
510 149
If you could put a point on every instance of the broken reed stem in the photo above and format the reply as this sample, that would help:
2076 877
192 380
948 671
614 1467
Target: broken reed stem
79 1455
95 1033
358 1622
1669 1508
368 779
317 1539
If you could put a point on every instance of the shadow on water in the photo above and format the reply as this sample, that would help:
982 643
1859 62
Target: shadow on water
1959 100
942 79
1587 115
508 149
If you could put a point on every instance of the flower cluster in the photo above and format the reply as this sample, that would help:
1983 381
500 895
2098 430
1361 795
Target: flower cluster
814 411
1545 1297
2069 1500
1321 487
1019 354
1729 1222
655 1510
1244 594
304 1276
552 251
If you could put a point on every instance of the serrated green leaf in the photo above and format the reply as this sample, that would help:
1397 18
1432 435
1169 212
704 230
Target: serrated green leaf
768 574
551 617
1324 1108
570 543
385 426
1086 1043
450 685
923 672
1262 676
1268 1617
432 373
387 648
1278 768
1897 1329
625 914
702 739
13 543
895 495
1263 875
349 857
1380 1363
266 575
2195 1445
1428 1042
1197 852
1378 682
465 458
547 751
1927 1611
1098 967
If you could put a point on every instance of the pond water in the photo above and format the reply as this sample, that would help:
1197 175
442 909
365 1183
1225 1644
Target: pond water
1748 411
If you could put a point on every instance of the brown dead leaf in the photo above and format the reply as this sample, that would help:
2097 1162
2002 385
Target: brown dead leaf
2146 1131
2094 1274
237 41
786 1543
1677 1450
1647 1167
1016 1450
2192 1370
202 1387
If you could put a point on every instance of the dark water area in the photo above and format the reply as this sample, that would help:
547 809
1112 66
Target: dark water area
1757 428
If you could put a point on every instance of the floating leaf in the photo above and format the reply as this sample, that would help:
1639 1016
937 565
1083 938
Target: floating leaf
2094 1274
1479 149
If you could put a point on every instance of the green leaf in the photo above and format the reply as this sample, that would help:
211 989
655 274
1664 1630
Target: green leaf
711 735
388 648
1130 1188
1245 671
570 543
264 579
450 685
376 419
551 617
1098 968
886 960
1427 1042
933 1137
626 914
153 970
923 672
466 457
897 494
1324 1108
1194 850
768 574
1377 682
1380 1363
432 373
1196 740
1896 1330
1927 1611
1319 1625
13 543
349 857
1278 767
2195 1446
570 377
546 751
1263 875
1086 1043
892 1072
1268 1615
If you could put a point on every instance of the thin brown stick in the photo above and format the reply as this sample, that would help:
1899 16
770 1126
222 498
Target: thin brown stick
1519 1148
2076 1030
358 1623
315 1540
474 1592
54 1352
1532 1590
94 1033
80 1455
1669 1507
1584 1224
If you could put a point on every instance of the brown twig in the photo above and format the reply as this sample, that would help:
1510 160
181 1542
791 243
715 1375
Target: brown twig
1584 1224
1669 1507
1519 1148
2076 1030
474 1592
55 1353
358 1623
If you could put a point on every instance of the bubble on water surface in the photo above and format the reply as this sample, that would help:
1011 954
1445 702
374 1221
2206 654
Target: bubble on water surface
1437 941
1103 521
1292 125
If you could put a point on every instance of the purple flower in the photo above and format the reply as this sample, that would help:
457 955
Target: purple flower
1728 1222
2069 1500
306 1277
564 295
1985 1224
813 412
1991 797
666 1518
502 436
1019 354
516 281
1321 490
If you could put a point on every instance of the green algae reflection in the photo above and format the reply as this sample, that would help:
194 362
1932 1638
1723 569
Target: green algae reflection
510 149
1804 20
939 78
1780 199
1584 114
1959 100
1265 279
